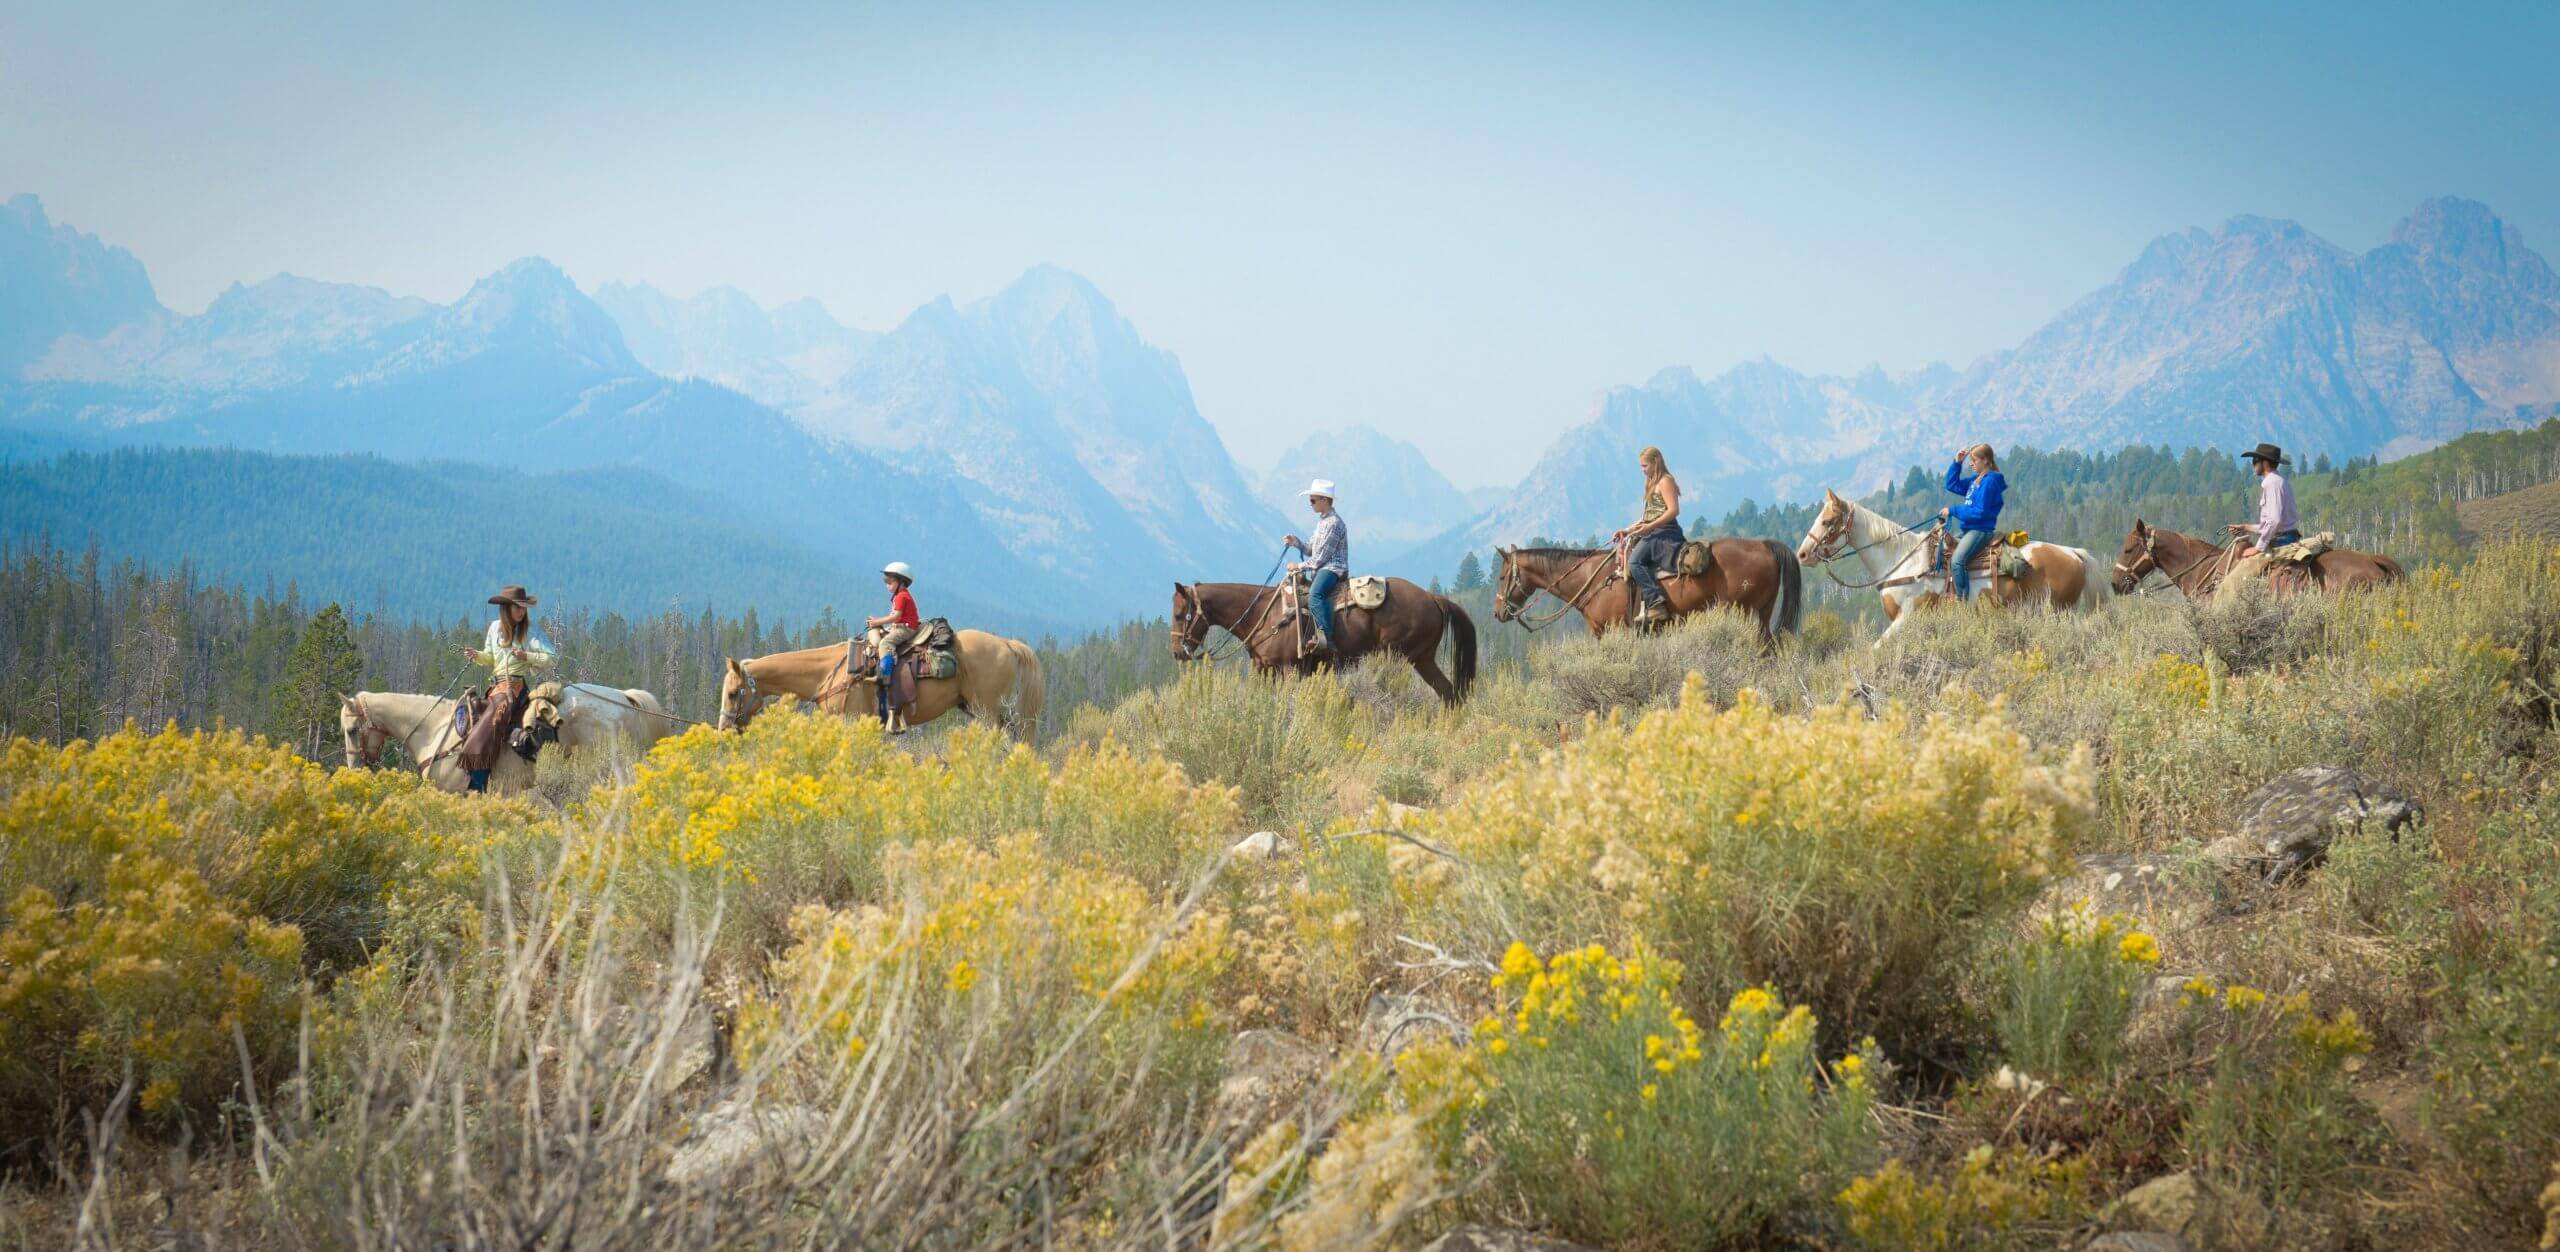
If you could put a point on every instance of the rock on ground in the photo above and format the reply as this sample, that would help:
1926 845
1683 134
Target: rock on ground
1263 845
1267 1070
1498 1239
2289 823
735 1133
2206 1216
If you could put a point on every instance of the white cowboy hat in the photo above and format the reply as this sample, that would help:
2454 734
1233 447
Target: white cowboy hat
900 569
1319 487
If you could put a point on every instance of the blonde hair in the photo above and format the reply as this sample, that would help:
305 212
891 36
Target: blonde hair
1983 450
1652 459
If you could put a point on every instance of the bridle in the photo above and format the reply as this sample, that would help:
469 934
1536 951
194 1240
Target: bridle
370 739
1190 629
1190 625
755 697
1513 592
1822 547
2150 561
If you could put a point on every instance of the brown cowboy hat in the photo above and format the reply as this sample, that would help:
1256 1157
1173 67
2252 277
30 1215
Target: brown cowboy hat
515 595
2266 452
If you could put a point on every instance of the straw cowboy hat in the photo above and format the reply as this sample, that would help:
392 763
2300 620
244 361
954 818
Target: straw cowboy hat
515 595
1319 487
898 569
2266 452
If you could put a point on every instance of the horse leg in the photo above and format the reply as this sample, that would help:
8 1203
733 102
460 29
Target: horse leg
1427 664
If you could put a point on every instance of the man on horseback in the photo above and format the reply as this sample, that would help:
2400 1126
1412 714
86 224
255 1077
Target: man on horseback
1328 556
1653 543
2277 524
893 630
1978 518
514 652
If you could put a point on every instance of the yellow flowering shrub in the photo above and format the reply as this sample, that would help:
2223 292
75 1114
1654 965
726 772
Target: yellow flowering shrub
164 889
1603 1103
2070 990
800 808
2277 1110
1856 862
1991 1200
1004 948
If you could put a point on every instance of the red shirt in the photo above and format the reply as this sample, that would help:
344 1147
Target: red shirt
902 608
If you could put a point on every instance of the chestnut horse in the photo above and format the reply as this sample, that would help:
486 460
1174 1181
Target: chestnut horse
1410 624
2197 567
999 681
1758 576
1897 562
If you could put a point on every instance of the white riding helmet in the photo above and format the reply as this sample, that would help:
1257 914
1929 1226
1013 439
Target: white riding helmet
900 569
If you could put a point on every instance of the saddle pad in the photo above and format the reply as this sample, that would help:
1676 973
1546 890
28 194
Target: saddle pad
1365 591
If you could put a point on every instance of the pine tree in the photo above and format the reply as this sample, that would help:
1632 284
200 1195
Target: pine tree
323 667
1470 572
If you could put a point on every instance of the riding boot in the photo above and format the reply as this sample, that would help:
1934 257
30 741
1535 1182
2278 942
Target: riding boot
479 780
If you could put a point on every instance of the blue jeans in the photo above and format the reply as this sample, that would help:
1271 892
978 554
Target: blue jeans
1320 600
1967 545
1652 553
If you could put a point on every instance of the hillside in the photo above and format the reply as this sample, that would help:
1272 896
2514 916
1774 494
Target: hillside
2532 511
429 541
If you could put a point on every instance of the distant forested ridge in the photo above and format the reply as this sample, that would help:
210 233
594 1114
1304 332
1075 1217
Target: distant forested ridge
429 540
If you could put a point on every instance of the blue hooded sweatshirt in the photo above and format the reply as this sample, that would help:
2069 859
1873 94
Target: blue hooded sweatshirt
1981 507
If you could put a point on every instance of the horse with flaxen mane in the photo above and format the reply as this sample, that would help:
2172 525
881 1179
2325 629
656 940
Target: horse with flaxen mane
1271 628
585 717
1899 563
1760 577
999 681
2196 566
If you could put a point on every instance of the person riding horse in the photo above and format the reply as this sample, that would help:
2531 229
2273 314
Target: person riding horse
894 630
2277 524
1978 518
513 651
1653 542
1328 555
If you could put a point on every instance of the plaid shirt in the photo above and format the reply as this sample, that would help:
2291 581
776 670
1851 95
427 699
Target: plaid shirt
1329 545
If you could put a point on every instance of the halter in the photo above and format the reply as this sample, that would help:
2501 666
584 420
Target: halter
1823 554
368 755
1513 578
755 694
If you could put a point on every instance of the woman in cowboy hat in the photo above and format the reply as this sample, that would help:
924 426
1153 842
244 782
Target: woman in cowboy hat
2277 524
895 629
513 651
1328 555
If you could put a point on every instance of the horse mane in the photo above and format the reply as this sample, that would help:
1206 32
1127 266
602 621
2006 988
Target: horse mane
1556 552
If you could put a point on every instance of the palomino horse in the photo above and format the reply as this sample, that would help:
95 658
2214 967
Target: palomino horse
588 716
2197 567
1758 576
1410 624
999 681
1898 567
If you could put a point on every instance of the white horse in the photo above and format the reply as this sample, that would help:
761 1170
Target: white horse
589 716
1898 565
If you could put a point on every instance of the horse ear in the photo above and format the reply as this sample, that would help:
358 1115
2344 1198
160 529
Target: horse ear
2139 526
732 663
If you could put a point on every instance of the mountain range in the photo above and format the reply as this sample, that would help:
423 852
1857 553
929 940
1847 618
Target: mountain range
1034 448
2257 331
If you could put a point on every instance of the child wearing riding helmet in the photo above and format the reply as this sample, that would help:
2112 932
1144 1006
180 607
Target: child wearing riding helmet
892 631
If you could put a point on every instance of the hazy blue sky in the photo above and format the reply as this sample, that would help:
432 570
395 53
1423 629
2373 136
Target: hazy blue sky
1458 223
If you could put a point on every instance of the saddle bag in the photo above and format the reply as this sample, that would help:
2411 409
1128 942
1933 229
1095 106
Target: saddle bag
1367 591
1695 559
2012 562
2307 547
936 665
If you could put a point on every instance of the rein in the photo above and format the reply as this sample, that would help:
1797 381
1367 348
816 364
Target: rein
433 707
1570 603
2224 552
1237 641
1881 581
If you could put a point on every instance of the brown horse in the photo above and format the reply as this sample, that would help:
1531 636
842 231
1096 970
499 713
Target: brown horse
1761 577
2197 567
999 681
1410 624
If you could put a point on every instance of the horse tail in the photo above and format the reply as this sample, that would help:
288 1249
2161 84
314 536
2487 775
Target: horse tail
2095 586
2391 571
1462 630
1790 608
1030 689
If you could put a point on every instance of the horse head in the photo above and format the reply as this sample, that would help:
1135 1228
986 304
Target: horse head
1190 620
360 738
1830 529
740 700
2137 558
1511 589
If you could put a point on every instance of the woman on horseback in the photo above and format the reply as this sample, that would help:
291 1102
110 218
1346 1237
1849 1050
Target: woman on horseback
1653 543
1978 517
894 630
514 652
